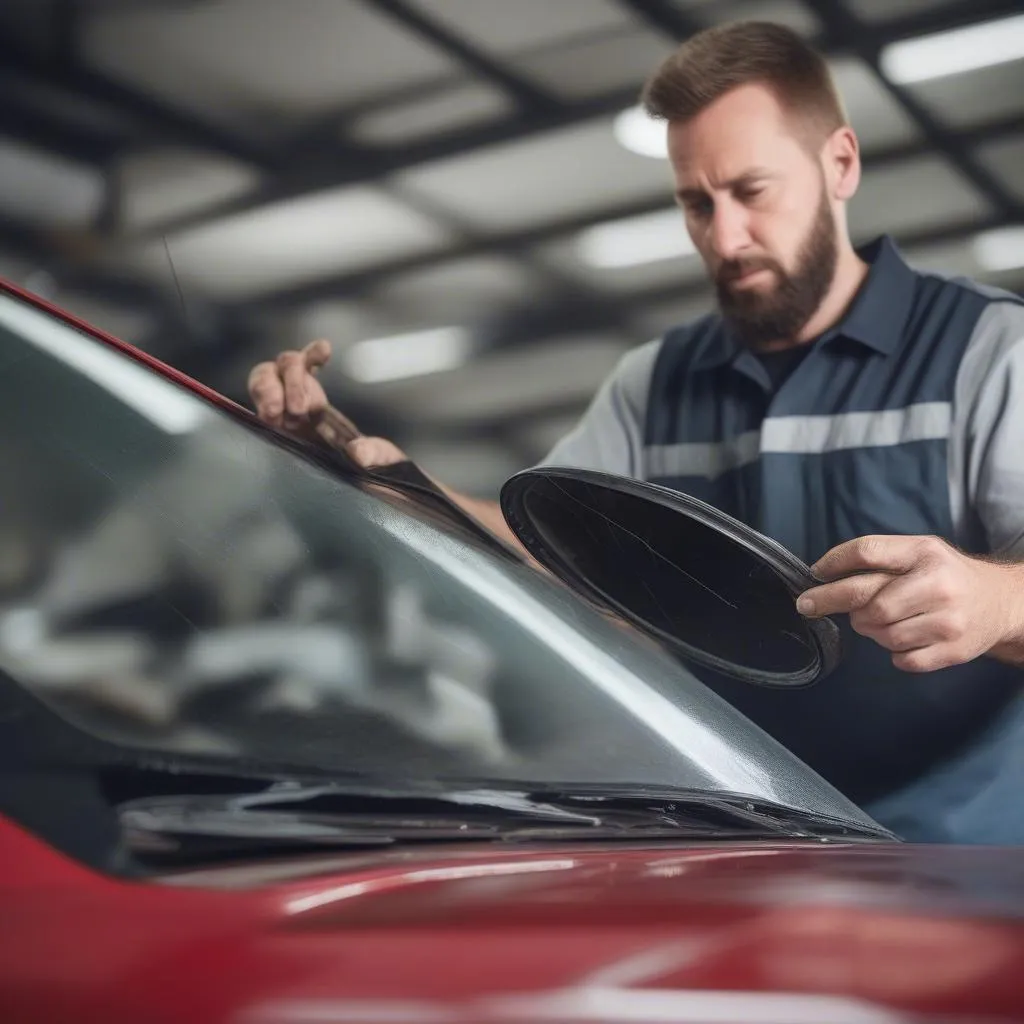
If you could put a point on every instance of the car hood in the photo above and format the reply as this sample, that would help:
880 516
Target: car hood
695 932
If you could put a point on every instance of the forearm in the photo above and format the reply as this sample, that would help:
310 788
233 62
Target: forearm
487 513
336 429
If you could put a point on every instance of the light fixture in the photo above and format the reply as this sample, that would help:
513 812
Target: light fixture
954 52
640 133
634 241
999 249
399 356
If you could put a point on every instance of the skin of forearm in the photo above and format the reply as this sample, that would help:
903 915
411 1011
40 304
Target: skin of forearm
488 514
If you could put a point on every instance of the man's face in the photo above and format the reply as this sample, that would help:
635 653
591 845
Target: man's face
757 211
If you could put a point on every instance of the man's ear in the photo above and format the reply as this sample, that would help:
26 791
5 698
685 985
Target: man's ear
842 163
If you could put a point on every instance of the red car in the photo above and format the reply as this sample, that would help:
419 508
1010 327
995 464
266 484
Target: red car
282 742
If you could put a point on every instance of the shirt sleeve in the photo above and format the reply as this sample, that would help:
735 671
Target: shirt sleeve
610 435
986 454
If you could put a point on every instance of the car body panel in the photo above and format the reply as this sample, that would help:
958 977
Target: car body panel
760 932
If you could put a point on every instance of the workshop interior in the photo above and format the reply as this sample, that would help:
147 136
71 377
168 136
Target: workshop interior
247 649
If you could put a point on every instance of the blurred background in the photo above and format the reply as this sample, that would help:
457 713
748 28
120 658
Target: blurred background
458 193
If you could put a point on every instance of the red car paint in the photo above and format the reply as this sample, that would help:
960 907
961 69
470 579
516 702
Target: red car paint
716 932
760 932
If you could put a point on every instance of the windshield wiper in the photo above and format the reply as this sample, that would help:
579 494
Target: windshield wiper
289 814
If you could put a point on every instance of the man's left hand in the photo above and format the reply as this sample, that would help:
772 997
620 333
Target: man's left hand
922 599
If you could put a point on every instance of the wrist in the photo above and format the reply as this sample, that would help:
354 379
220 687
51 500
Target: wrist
1010 646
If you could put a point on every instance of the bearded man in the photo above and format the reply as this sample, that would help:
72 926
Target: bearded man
868 416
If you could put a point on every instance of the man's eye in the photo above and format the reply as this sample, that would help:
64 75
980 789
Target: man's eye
748 195
699 208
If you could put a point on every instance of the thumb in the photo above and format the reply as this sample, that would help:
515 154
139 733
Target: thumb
371 452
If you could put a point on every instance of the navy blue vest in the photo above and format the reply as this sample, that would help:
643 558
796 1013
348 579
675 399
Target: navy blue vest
854 442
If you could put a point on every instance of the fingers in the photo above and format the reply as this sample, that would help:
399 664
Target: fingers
890 554
285 391
843 596
316 354
294 374
267 393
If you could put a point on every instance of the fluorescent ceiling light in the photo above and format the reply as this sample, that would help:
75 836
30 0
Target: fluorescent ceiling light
399 356
639 133
635 241
954 52
164 404
1001 249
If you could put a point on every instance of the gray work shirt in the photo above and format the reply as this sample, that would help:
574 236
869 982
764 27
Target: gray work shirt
906 418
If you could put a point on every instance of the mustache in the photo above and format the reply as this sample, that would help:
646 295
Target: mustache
731 270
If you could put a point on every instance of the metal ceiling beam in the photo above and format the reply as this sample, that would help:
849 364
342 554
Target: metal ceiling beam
326 169
841 23
317 174
527 94
356 282
664 17
20 122
152 121
942 16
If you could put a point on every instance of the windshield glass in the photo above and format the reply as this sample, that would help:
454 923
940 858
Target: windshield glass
173 579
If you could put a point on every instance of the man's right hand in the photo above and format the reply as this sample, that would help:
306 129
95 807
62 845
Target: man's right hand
285 391
288 396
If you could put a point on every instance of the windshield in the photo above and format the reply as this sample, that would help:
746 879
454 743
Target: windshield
174 580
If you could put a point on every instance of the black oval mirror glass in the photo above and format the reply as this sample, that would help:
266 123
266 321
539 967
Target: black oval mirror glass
705 585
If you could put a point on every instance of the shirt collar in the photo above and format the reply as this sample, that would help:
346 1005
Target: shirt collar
876 318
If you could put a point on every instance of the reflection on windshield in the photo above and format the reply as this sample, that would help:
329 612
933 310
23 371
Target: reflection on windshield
188 586
170 578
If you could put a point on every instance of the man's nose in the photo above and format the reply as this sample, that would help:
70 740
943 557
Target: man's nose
729 234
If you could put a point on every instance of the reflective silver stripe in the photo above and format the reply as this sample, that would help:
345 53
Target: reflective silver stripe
804 435
707 460
812 435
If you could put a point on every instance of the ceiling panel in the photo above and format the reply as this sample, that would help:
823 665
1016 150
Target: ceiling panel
254 60
565 254
161 184
555 175
950 259
456 292
503 27
1005 159
508 383
341 322
596 65
975 97
441 110
960 258
39 188
876 117
288 243
910 196
883 10
790 13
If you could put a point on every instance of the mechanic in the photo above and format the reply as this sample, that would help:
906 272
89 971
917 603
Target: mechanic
868 416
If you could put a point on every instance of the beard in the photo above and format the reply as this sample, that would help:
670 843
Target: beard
780 313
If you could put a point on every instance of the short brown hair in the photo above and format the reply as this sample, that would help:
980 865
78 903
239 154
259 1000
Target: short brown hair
722 58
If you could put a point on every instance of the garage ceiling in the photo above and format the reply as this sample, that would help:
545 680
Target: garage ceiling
216 179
